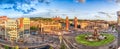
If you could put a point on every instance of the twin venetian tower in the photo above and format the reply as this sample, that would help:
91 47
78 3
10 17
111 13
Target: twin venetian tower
67 23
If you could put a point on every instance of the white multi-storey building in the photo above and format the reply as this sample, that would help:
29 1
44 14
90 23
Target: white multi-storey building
11 30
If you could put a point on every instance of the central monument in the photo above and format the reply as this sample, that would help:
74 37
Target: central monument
95 36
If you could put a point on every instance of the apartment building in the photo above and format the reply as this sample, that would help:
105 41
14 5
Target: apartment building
11 30
23 26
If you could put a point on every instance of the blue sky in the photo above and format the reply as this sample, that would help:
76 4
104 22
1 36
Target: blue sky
83 9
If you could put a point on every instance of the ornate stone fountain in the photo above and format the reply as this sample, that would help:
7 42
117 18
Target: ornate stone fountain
95 36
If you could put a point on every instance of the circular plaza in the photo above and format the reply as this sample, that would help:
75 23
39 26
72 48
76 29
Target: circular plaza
81 39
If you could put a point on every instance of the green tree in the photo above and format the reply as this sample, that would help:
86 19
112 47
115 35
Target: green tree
33 28
13 47
62 46
16 47
51 47
6 47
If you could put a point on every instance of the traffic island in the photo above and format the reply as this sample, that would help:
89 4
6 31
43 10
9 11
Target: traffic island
109 43
82 40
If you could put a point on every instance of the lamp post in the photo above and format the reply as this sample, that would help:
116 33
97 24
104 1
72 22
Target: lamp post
60 37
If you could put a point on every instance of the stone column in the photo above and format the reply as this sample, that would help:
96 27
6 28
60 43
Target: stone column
67 23
75 22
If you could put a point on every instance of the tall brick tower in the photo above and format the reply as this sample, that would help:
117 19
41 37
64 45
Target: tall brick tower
75 22
118 18
67 23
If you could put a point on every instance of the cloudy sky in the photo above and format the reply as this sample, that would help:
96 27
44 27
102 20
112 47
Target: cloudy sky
83 9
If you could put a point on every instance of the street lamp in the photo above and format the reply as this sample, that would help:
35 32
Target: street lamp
60 37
